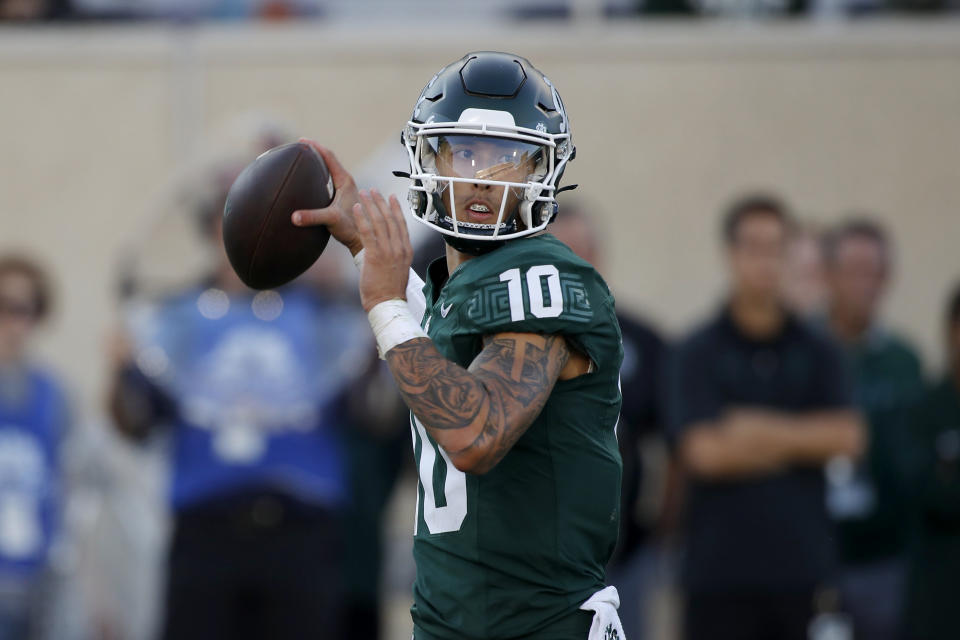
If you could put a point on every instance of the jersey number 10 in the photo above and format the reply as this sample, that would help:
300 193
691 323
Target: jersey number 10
449 517
445 513
535 276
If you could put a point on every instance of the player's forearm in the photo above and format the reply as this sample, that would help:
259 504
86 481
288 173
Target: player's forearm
416 301
450 403
477 415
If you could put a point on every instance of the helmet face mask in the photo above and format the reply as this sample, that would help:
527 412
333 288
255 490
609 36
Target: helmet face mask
478 174
481 181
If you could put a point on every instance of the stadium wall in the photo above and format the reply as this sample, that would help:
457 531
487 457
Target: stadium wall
670 120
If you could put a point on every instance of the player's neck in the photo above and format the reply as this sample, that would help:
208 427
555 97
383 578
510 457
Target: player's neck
456 258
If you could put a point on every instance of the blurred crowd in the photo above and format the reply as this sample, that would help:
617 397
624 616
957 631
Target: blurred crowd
806 481
66 10
789 470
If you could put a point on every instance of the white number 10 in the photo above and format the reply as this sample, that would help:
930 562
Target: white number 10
438 519
535 276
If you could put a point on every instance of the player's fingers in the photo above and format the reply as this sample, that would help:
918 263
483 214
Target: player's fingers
379 200
341 177
311 217
375 218
401 234
363 227
400 222
388 218
396 209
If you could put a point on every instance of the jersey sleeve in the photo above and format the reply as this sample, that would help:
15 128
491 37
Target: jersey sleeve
546 292
416 300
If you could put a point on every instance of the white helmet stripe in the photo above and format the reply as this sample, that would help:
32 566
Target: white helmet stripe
487 117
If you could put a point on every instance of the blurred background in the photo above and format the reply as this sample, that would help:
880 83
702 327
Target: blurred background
147 432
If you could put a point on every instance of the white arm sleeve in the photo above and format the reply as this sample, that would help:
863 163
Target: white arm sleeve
416 301
415 298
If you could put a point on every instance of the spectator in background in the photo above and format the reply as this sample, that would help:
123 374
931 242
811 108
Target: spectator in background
640 431
869 501
251 387
758 404
934 548
33 422
804 278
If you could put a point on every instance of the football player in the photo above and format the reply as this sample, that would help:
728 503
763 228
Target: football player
507 357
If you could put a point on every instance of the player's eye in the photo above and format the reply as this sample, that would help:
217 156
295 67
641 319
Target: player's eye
463 154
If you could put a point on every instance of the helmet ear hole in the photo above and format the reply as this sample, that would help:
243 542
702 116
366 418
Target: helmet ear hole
548 211
417 199
542 213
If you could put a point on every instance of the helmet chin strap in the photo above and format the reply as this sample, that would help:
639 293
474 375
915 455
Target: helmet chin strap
472 247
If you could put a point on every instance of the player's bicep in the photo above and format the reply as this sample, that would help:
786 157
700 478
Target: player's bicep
519 370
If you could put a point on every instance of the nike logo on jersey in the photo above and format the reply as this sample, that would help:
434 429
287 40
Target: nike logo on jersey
444 310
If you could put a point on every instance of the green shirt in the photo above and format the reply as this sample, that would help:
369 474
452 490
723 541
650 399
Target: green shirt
513 553
888 383
932 595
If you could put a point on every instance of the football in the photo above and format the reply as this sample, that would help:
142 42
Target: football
263 245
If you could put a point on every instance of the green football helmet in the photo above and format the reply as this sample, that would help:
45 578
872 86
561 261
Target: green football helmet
489 124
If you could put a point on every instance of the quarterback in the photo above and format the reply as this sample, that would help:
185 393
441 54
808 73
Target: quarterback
508 358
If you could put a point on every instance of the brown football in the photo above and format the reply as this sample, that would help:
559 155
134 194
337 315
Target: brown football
263 245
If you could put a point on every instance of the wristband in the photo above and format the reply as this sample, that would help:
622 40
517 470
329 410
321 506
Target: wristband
393 324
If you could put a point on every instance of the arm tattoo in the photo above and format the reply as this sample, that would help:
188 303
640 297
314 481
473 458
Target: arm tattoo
483 411
442 394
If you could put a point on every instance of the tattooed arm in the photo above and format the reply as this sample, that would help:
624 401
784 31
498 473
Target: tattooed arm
475 414
478 414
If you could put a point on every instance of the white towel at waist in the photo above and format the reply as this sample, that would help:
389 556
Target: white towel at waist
606 623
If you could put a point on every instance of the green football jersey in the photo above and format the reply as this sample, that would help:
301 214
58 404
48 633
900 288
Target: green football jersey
514 552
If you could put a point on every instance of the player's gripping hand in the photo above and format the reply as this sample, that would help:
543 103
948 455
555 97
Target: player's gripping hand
387 249
338 217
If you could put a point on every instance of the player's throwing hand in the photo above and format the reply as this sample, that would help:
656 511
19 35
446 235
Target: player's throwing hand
387 249
338 216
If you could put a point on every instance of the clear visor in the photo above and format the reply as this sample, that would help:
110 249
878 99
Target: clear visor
486 158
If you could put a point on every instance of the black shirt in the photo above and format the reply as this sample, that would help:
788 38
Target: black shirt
763 532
